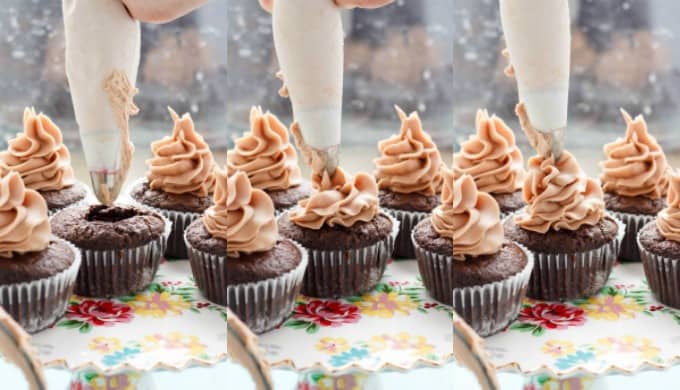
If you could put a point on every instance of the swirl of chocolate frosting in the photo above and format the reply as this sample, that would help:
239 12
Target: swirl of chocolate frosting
24 226
559 196
491 156
340 200
473 218
39 155
181 163
635 164
409 162
265 153
242 215
668 220
443 216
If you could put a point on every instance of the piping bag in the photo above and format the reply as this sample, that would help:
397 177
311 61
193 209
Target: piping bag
102 58
309 39
538 38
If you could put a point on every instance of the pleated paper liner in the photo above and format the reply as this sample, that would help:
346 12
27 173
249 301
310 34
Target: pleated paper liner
403 247
663 276
38 304
348 272
176 248
261 305
568 276
634 222
119 272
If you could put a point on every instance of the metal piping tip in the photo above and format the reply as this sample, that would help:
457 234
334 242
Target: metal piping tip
331 159
555 140
106 186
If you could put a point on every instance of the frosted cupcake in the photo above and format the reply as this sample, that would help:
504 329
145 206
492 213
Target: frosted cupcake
179 182
494 161
348 239
487 273
564 224
409 178
659 242
258 275
270 161
44 162
37 270
634 181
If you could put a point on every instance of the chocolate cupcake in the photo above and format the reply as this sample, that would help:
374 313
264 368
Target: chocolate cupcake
270 161
179 181
238 259
409 178
634 181
348 239
564 225
659 243
494 161
44 162
461 248
37 270
121 247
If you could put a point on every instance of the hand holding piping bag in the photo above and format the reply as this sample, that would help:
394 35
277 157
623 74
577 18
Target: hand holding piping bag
269 4
309 38
102 59
539 44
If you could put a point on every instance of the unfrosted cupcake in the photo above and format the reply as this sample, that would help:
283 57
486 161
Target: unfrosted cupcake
564 224
44 162
659 242
179 182
409 178
121 246
238 258
270 161
494 161
37 270
465 260
347 237
634 181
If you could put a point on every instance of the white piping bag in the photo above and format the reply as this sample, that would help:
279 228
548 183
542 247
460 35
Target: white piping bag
537 34
309 39
102 58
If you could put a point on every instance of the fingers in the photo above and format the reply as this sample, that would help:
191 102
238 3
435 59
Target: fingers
267 5
362 3
160 11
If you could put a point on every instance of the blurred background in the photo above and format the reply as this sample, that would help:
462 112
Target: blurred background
183 65
440 57
625 53
399 54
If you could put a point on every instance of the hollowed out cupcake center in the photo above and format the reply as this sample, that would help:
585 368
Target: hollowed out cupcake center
104 213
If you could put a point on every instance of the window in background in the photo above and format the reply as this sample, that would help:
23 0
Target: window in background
400 54
625 53
183 65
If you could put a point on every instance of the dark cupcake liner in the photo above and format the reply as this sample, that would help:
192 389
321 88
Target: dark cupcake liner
175 248
569 276
261 305
403 247
348 272
490 307
634 222
38 304
663 276
120 272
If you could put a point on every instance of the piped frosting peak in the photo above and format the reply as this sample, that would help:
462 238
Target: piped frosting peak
409 162
182 163
635 164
